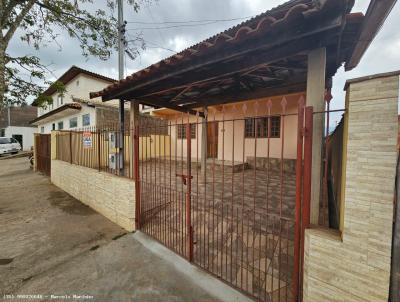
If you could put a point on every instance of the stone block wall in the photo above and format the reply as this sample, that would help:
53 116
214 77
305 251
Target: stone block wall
354 264
110 195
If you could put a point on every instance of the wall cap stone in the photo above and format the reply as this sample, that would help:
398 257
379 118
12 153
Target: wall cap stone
371 77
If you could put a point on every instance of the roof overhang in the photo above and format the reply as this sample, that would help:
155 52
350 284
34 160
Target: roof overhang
60 112
262 57
377 12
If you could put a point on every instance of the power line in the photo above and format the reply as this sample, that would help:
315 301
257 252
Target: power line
191 21
159 46
152 18
162 48
155 45
173 26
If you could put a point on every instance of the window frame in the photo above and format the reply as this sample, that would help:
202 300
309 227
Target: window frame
62 125
181 131
262 128
60 100
75 119
83 116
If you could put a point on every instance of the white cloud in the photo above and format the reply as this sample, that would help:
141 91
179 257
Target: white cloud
179 43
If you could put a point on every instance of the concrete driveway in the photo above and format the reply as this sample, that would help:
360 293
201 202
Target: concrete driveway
51 244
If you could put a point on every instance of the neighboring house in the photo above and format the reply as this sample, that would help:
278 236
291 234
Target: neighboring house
70 110
14 122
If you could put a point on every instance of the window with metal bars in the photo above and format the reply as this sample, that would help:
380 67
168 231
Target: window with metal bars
182 131
261 125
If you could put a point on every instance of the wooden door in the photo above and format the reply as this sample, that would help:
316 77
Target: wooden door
212 139
43 156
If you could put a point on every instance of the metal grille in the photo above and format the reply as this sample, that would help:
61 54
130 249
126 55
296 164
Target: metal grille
236 215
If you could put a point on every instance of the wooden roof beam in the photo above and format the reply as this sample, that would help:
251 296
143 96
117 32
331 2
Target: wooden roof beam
233 97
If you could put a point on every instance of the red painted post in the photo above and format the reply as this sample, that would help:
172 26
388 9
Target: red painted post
137 176
306 181
299 177
189 228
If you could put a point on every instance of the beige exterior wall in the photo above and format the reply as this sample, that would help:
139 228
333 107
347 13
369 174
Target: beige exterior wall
111 196
354 265
229 148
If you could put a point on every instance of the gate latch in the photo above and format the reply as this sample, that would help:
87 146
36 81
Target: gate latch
184 177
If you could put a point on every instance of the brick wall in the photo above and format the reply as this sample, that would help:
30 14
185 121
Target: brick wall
354 264
110 195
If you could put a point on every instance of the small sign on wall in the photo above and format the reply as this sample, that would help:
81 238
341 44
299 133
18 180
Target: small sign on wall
87 139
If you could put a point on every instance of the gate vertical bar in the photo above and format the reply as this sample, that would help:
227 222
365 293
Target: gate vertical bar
308 133
189 229
299 170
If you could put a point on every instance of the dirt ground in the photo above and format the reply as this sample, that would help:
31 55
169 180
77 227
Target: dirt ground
51 244
41 226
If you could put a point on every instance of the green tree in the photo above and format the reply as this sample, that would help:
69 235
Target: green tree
39 23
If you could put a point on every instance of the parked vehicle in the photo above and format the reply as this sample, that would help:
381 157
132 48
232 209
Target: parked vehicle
9 145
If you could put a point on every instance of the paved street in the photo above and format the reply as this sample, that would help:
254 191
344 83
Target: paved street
53 244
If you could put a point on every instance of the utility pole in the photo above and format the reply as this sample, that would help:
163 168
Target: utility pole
121 47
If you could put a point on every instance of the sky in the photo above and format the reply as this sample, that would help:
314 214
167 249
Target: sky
163 39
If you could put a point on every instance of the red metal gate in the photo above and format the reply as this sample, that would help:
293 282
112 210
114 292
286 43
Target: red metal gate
43 153
241 214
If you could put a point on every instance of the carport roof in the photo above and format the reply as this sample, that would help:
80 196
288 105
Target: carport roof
266 55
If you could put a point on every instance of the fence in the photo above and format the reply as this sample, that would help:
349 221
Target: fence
100 148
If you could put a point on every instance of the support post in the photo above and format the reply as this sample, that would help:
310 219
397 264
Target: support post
121 137
315 98
121 47
204 145
299 189
134 123
307 181
189 193
134 162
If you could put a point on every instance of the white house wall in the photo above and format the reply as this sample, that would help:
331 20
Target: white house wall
26 132
81 91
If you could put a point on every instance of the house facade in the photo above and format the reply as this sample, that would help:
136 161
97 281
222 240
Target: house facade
14 122
71 110
233 129
254 96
